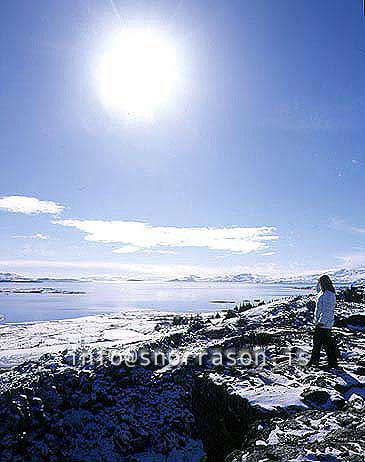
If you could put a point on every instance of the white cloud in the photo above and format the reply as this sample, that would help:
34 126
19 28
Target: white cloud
137 235
340 225
127 249
357 229
267 254
161 252
353 260
29 205
39 236
133 249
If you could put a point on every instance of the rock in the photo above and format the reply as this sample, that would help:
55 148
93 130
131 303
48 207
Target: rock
357 402
223 419
360 370
316 397
260 443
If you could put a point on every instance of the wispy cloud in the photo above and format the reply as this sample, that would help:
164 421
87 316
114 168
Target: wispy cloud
64 267
357 229
44 267
340 225
133 249
127 249
353 260
29 205
268 254
39 236
137 235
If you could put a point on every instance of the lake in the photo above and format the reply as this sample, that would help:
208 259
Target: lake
108 297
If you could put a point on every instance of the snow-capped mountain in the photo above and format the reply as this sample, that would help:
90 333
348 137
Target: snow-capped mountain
349 276
247 278
12 277
342 276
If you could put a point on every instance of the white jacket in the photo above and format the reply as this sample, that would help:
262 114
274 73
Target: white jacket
325 307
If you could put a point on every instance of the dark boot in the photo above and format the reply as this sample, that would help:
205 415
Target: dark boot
330 348
316 350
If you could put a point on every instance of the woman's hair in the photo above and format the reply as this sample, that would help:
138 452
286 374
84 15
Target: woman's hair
326 283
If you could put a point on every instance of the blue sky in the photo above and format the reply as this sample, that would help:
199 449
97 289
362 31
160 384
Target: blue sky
256 163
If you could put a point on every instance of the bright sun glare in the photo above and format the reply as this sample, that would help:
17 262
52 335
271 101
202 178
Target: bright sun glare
138 73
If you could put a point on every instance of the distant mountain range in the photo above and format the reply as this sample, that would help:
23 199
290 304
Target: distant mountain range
11 277
247 278
342 276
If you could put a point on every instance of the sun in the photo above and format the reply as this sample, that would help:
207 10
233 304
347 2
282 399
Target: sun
138 73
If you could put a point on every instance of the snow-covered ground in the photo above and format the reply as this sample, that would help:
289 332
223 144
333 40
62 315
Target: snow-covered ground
153 414
21 342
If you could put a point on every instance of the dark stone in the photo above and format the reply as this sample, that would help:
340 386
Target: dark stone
355 320
316 397
223 419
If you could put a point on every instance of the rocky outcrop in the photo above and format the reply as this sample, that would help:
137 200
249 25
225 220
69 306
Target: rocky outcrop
336 436
52 412
224 420
353 322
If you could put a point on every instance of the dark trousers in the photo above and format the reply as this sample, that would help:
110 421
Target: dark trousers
323 338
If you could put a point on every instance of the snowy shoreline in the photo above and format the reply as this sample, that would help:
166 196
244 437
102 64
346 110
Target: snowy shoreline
39 290
24 341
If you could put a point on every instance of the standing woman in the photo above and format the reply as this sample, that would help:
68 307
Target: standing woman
323 319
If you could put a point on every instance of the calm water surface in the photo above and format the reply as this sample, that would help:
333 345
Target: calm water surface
108 297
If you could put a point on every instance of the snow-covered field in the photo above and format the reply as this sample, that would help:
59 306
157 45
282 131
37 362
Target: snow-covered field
21 342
